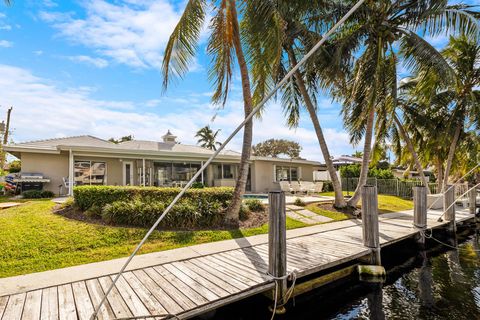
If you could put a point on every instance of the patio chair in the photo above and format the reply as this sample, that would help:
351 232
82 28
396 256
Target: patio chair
308 187
285 187
318 187
296 187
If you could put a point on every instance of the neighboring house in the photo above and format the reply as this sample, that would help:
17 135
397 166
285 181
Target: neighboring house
87 160
400 174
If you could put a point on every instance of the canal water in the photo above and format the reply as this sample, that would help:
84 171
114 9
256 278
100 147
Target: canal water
437 283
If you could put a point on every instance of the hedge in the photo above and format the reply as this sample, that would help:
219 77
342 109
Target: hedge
141 206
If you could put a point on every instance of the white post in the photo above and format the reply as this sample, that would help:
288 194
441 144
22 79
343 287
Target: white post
70 173
143 172
201 163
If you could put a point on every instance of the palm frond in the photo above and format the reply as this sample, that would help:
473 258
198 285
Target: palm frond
182 44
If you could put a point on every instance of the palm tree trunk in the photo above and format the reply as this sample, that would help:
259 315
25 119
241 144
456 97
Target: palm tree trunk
367 148
409 143
337 187
241 182
451 154
439 166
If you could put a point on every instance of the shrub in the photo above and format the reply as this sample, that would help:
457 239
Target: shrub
37 194
299 202
139 206
197 185
244 213
86 196
327 186
15 166
47 194
254 205
32 194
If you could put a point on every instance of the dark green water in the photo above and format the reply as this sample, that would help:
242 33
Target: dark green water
437 283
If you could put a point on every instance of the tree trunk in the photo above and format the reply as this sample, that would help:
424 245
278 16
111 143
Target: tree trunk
367 148
439 166
241 182
409 143
451 154
337 187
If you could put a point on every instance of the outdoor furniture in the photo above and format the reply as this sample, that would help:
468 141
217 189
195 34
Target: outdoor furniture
308 187
435 201
318 187
285 187
296 187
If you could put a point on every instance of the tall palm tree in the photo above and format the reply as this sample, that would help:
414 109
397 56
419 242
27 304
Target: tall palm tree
368 41
207 138
276 31
456 91
224 45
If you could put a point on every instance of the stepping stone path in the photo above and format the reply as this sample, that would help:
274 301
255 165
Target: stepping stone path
306 216
6 205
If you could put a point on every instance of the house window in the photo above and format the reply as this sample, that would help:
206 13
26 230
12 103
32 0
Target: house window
224 171
90 172
286 173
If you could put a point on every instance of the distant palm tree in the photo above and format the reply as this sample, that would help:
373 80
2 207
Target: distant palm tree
207 138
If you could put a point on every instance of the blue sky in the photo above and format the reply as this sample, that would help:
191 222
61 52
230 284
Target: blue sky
93 67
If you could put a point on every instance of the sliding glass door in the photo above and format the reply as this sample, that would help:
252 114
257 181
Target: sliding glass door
175 174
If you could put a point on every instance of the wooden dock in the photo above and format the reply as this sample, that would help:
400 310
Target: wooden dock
193 286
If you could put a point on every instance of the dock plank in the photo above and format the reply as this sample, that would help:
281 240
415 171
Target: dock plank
118 305
180 285
169 304
82 300
66 303
49 304
14 308
96 294
33 305
3 305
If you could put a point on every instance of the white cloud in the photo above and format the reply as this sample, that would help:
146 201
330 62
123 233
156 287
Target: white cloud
43 110
38 52
130 32
5 44
97 62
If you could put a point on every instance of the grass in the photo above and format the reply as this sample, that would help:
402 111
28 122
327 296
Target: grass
34 239
336 216
386 203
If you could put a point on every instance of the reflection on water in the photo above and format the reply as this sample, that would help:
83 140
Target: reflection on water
432 284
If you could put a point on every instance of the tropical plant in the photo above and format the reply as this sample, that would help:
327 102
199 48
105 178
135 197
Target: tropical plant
361 62
224 45
456 92
275 147
207 138
276 33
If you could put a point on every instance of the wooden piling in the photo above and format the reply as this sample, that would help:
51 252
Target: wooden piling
277 242
420 211
371 238
449 207
472 200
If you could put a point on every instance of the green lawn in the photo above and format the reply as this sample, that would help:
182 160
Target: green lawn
386 203
34 239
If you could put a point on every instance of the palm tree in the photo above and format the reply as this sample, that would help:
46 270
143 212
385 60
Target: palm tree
368 42
456 91
276 31
207 138
224 45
